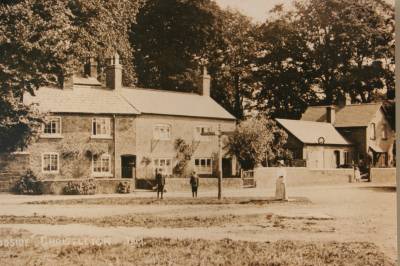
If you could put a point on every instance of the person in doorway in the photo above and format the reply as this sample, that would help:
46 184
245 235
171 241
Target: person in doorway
160 182
280 191
194 182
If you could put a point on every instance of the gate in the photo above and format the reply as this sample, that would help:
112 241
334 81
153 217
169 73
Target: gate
248 179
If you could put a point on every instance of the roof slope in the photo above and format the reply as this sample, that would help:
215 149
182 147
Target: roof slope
80 99
309 132
174 103
354 115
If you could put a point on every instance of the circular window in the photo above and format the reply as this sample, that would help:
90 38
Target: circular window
321 140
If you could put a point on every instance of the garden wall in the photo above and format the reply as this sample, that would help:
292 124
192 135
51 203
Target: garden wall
12 167
103 186
383 175
300 176
182 184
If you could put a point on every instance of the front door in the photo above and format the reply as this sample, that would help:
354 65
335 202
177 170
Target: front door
226 167
128 166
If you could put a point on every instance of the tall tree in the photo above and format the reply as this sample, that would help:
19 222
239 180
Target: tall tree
43 41
169 38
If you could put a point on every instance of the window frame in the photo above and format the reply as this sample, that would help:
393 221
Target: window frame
201 170
58 163
372 131
384 132
101 173
166 170
156 135
346 157
52 135
108 128
198 136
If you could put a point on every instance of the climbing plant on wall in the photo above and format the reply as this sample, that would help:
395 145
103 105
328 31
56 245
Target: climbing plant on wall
184 153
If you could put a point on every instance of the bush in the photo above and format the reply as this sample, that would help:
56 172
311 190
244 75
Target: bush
85 187
124 187
29 184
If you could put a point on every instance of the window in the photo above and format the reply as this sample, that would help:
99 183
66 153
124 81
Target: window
372 131
162 132
101 165
384 131
52 126
203 165
101 127
199 130
346 155
50 162
164 164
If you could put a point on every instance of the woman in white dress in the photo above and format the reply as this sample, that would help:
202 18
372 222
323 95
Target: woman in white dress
280 192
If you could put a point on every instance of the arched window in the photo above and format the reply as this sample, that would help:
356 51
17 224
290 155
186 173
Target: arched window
372 131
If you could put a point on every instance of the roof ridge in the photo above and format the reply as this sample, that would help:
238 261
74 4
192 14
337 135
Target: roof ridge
161 90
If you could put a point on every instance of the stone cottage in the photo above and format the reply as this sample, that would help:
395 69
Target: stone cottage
114 132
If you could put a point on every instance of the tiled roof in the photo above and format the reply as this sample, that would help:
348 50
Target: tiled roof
309 132
80 99
354 115
174 103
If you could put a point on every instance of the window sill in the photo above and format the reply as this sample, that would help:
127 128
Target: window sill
50 173
51 136
97 175
101 137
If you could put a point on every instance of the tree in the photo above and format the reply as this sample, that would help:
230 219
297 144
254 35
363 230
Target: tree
169 38
44 41
257 141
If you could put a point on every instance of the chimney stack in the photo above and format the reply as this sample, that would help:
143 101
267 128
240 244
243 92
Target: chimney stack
114 73
330 114
93 67
344 100
204 83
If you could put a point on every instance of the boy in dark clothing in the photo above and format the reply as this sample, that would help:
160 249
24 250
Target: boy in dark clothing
194 182
160 181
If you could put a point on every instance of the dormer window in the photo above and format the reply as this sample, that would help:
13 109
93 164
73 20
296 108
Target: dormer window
372 130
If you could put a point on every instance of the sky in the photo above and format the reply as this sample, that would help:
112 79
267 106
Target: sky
256 9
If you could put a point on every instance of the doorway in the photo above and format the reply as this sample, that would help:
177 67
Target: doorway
226 167
128 166
337 158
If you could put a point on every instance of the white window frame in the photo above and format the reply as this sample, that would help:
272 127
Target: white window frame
166 169
372 132
58 163
101 173
156 132
197 134
50 119
384 132
203 170
107 121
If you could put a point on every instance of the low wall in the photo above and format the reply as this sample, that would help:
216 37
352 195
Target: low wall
12 167
182 184
300 176
383 175
103 186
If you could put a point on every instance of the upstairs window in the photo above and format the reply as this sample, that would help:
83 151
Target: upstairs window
384 131
203 165
200 130
50 162
162 132
52 126
101 165
101 127
372 131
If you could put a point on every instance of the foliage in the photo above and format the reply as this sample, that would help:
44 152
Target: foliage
85 187
29 184
146 160
257 140
183 156
124 187
323 49
44 41
71 149
169 38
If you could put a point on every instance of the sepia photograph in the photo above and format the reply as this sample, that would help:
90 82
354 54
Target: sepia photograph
198 132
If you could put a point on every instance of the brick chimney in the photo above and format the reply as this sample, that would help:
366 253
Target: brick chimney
93 67
204 83
344 100
330 114
114 73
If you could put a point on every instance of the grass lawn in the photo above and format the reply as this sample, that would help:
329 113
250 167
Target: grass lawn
156 251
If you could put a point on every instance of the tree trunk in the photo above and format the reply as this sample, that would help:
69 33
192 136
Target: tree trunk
238 104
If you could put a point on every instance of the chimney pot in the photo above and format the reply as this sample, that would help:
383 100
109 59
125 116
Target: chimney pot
114 73
330 114
204 83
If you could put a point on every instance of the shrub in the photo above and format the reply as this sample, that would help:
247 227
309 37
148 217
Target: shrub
85 187
29 184
124 187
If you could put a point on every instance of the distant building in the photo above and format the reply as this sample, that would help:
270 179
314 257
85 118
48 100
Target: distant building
364 125
125 132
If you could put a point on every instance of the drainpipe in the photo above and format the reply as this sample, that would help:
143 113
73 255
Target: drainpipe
115 144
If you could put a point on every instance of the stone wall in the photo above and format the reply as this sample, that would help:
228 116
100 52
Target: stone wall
300 176
383 175
12 167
